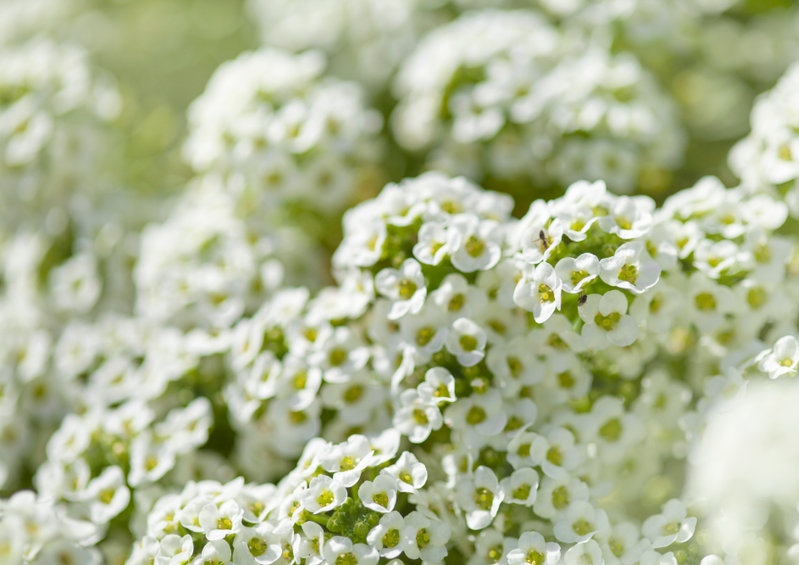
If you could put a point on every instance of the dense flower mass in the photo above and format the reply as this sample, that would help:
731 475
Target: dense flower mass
409 281
505 95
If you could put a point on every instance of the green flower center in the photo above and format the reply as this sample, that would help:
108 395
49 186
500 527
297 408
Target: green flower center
628 273
422 538
483 498
607 323
353 394
611 430
555 456
407 289
256 546
391 538
425 335
381 499
577 276
545 293
300 380
560 498
533 557
456 303
325 498
347 559
522 492
565 380
705 301
582 527
475 415
474 246
756 296
420 417
107 495
468 342
224 523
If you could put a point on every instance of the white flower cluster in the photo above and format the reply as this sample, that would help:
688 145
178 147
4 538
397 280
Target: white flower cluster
503 95
92 458
35 531
54 134
366 39
767 160
290 135
543 409
213 261
352 502
20 19
751 503
547 373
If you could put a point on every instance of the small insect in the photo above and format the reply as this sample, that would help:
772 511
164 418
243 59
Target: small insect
543 237
582 299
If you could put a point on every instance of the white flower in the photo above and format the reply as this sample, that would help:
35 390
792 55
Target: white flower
717 258
220 521
107 495
386 537
533 548
670 526
630 268
585 553
347 460
311 544
521 487
467 341
379 495
149 460
416 417
410 473
539 291
536 235
75 285
606 321
215 551
782 359
426 332
556 452
479 496
174 549
629 217
457 297
478 417
473 244
708 302
404 286
434 243
339 549
623 544
579 522
438 386
425 536
514 364
187 428
555 495
323 494
576 273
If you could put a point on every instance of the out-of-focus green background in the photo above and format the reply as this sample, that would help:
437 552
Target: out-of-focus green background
162 53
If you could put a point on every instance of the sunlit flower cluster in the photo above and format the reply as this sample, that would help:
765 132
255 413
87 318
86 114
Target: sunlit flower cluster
408 281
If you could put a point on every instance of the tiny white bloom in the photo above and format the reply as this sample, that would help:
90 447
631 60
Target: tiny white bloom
404 286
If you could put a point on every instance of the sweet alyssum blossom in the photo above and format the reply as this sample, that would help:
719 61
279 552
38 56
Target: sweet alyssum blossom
405 287
606 320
